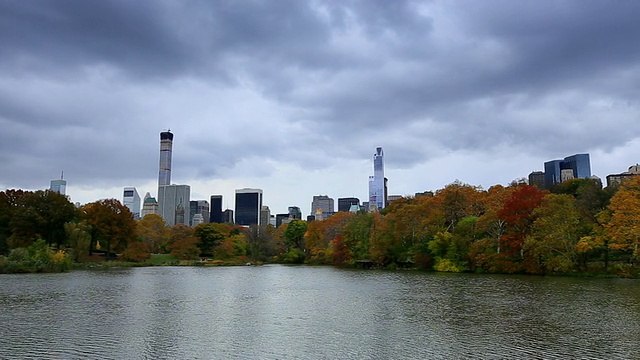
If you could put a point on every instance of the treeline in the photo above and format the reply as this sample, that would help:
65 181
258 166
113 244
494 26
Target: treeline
575 227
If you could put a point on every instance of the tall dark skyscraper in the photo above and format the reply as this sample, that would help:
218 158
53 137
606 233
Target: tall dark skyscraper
248 206
215 216
166 144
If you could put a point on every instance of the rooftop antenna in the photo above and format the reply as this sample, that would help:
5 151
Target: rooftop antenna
62 175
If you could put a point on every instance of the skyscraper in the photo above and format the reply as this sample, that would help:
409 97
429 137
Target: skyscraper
131 199
324 203
377 194
173 203
166 145
576 166
59 186
344 204
215 215
248 206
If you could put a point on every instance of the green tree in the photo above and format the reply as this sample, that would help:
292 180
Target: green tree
41 214
183 243
210 236
556 231
79 239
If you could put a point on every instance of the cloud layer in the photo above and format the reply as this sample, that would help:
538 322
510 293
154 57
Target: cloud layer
294 96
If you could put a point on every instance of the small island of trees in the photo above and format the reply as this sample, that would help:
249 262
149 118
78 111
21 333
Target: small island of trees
575 228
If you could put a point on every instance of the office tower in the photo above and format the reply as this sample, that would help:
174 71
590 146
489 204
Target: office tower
173 203
536 178
265 216
344 204
149 206
248 205
166 144
572 167
199 207
322 202
295 213
377 182
579 164
59 186
215 215
131 199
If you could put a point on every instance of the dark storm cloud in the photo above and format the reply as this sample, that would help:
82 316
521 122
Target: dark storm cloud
311 81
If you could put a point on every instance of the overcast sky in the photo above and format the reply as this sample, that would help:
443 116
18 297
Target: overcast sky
293 97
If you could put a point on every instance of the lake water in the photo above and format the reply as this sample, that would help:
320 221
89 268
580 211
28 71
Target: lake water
281 312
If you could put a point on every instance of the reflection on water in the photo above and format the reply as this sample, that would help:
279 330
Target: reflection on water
280 312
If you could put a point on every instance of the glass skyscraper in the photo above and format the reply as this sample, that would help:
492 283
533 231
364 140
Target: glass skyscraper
248 206
377 199
577 165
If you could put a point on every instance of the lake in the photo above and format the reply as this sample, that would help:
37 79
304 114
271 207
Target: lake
306 312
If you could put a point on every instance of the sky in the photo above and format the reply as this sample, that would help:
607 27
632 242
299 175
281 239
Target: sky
293 97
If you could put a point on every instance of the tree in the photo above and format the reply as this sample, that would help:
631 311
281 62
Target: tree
40 214
136 251
79 239
183 243
112 224
294 234
154 232
210 236
623 227
556 231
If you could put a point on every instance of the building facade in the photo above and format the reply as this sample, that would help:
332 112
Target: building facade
215 213
344 204
322 202
248 206
173 204
131 199
59 186
265 216
149 206
576 166
295 212
166 145
377 183
199 207
536 178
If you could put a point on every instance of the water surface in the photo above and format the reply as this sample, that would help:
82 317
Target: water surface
280 312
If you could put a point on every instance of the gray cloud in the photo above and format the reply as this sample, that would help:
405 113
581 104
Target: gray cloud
87 86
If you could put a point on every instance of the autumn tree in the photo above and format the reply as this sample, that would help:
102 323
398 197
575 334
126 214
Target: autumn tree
623 226
112 225
183 244
154 232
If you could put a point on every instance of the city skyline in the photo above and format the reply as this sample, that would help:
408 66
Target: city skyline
291 97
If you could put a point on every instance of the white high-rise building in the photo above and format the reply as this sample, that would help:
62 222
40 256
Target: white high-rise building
131 199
